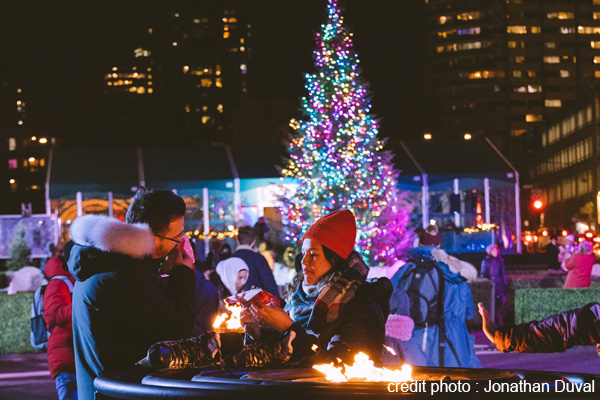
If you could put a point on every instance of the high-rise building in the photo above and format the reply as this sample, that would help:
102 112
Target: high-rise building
185 78
24 155
498 67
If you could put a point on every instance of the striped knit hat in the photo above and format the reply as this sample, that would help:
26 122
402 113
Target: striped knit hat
336 231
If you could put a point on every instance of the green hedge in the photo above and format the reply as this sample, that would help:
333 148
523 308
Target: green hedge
15 313
537 304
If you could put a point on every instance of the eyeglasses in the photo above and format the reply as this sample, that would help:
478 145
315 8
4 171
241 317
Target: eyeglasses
171 239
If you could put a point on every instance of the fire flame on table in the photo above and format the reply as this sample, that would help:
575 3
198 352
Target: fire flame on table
230 321
364 369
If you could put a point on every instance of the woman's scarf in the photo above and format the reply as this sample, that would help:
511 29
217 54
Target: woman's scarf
314 311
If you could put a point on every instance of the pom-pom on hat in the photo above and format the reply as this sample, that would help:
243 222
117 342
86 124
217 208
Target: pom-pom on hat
336 231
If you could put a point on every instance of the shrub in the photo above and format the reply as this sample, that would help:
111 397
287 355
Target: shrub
536 304
14 320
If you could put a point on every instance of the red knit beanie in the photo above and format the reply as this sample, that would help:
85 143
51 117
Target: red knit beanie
336 231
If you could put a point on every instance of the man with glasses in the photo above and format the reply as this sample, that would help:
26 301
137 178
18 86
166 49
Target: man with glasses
120 305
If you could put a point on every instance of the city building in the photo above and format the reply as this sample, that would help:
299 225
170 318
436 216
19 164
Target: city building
184 79
24 155
498 67
564 170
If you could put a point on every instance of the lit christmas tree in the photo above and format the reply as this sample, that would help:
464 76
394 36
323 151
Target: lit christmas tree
336 155
19 250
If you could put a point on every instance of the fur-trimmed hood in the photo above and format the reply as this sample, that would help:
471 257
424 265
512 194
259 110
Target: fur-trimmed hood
104 244
455 266
112 236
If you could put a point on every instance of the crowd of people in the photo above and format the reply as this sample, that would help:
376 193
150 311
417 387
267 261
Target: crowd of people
139 282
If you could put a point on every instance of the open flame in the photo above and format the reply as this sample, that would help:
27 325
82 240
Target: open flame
231 321
364 369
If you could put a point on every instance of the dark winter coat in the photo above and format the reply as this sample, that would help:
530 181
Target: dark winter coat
360 327
57 314
120 307
493 268
259 272
556 333
207 304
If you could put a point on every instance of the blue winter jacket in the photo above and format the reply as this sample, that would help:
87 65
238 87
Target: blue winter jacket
423 348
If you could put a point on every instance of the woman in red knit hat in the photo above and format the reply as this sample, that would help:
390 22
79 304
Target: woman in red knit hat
329 303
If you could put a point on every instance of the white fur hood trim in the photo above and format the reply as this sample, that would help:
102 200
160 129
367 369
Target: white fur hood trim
457 266
113 236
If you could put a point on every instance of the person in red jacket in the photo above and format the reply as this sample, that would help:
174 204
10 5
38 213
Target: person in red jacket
57 314
580 267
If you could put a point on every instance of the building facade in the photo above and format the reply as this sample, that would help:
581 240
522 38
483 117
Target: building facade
565 169
190 70
498 67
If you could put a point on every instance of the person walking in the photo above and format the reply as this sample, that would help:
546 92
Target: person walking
580 267
492 268
57 314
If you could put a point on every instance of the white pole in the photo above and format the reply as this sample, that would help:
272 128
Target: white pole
486 191
425 200
47 186
518 213
111 212
456 214
79 204
237 200
206 217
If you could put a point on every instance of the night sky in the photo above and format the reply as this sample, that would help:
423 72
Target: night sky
60 50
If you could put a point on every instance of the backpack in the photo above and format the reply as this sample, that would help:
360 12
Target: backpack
424 283
39 334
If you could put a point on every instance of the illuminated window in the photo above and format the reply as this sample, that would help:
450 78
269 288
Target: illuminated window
531 74
552 103
482 74
550 45
566 15
442 20
12 163
596 15
196 21
519 59
564 73
243 68
205 82
512 44
517 74
595 45
588 30
150 90
517 29
13 185
205 119
220 108
12 144
175 44
468 16
217 70
536 29
533 118
552 59
565 30
204 108
596 74
218 83
469 31
225 35
141 90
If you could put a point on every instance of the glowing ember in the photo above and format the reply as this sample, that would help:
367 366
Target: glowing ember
390 350
231 321
364 369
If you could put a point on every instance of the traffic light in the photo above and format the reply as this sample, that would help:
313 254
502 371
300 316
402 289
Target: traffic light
537 203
